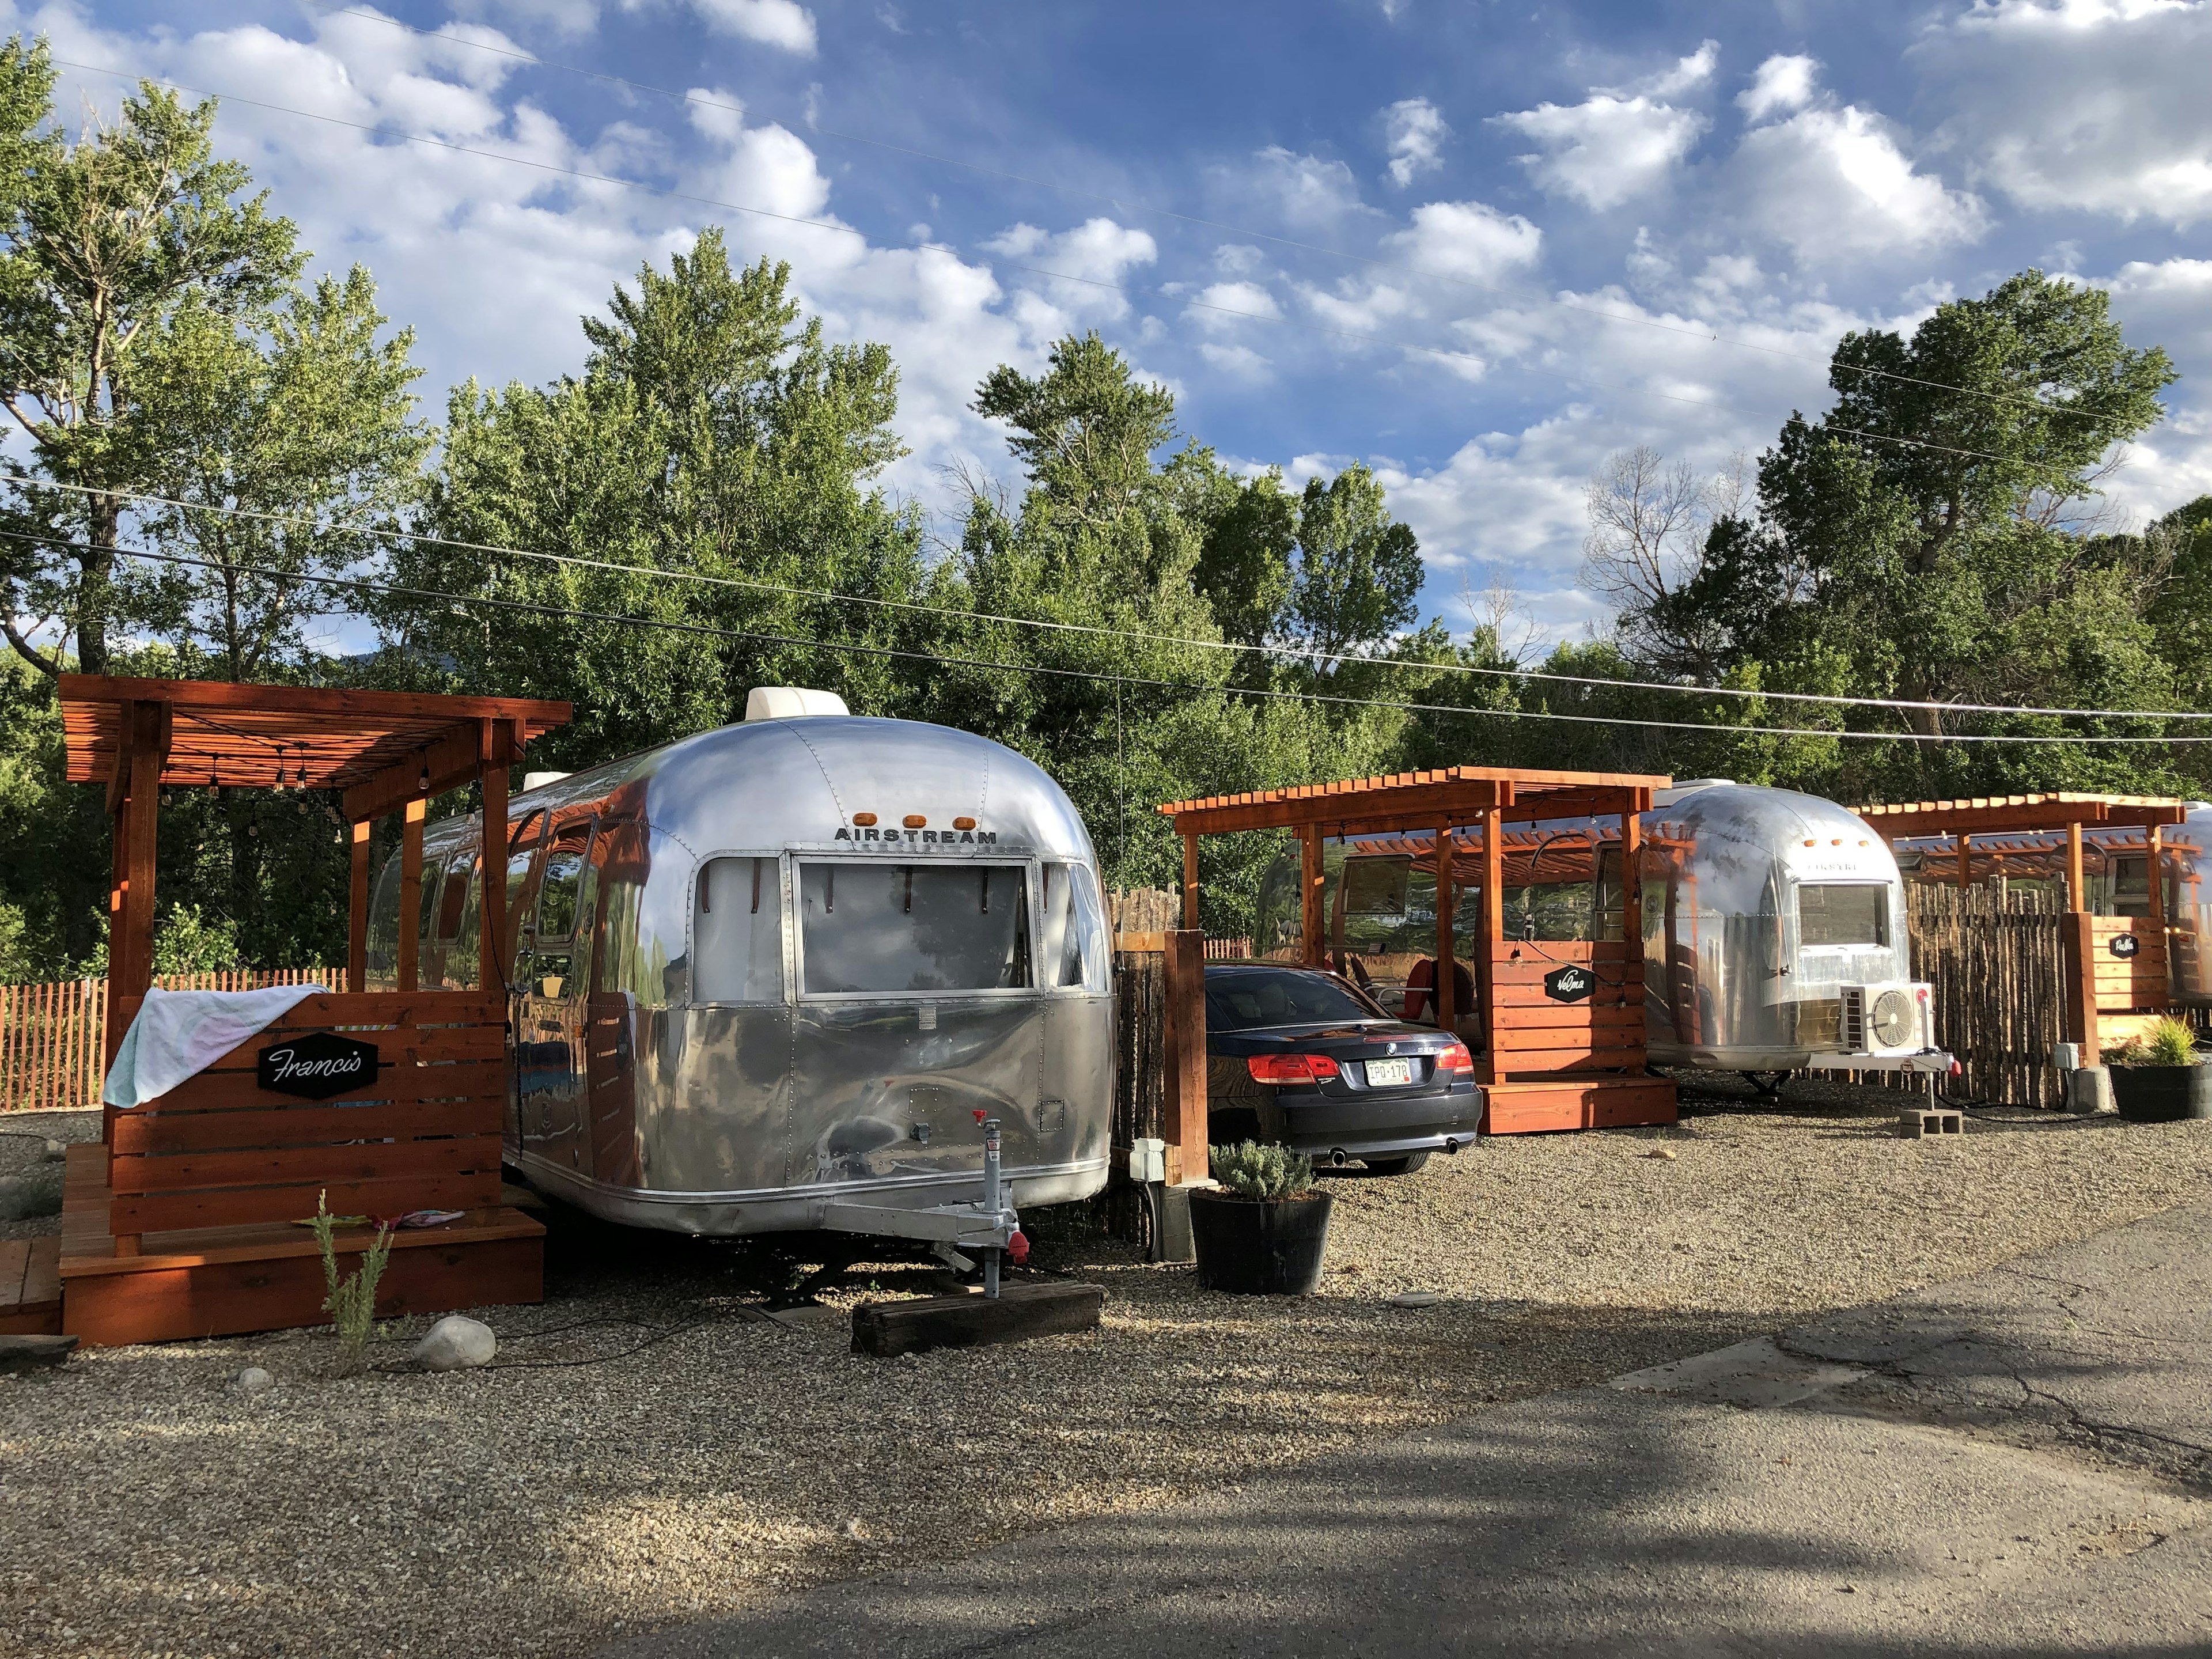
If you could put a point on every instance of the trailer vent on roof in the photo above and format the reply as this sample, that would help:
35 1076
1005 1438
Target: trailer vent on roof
786 702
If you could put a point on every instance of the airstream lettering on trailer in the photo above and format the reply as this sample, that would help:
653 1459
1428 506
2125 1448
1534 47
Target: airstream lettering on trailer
1774 925
773 977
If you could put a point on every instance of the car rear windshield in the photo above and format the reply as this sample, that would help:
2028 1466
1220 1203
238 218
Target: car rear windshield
1840 913
1253 997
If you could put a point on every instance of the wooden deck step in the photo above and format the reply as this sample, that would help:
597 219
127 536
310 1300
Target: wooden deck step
31 1288
226 1281
1570 1103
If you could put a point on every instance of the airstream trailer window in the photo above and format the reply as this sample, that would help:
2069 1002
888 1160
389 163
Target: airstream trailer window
1840 912
563 880
736 932
886 928
1074 953
382 954
1376 886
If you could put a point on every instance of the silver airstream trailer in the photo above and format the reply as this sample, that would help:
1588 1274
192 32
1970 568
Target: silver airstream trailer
1774 925
775 977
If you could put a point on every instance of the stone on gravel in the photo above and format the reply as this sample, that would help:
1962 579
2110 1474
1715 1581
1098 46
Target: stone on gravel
55 1150
21 1354
455 1343
1415 1299
254 1380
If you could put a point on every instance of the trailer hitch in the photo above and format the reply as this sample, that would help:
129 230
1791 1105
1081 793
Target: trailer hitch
990 1228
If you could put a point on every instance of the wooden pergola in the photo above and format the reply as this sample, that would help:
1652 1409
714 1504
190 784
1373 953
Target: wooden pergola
1978 833
184 1222
387 752
1547 1060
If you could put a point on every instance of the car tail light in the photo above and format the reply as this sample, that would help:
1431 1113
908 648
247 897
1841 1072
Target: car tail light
1290 1068
1456 1058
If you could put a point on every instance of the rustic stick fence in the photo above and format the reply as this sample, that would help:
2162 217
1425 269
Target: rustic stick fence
1997 963
50 1035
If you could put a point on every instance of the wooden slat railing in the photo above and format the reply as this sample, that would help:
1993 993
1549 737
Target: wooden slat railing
50 1035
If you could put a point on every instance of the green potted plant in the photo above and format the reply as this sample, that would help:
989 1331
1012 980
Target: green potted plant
1264 1232
2160 1077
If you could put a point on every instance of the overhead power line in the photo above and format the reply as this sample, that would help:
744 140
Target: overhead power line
354 584
1130 204
1130 288
1094 630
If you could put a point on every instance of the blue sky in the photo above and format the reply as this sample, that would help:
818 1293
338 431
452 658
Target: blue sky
1556 209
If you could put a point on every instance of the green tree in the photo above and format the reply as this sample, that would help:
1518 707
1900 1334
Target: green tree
104 239
712 433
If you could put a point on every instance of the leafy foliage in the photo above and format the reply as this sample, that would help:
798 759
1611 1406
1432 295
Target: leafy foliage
2168 1041
1261 1169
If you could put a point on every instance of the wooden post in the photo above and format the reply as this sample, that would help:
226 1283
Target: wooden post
357 913
1631 906
2155 909
1447 1000
1493 930
2080 945
1310 884
2075 886
491 907
411 893
1182 1102
1966 866
1190 881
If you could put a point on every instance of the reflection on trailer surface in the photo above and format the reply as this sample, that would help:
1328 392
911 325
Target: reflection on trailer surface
1774 925
789 965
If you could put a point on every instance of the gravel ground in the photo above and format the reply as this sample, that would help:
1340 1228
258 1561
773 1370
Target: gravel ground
669 1452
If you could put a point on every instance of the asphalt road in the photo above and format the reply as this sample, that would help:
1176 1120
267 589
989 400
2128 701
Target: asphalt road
2019 1462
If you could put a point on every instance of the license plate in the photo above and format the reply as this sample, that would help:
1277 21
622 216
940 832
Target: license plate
1384 1073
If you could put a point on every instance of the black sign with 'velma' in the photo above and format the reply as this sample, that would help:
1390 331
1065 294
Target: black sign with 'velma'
316 1065
1569 984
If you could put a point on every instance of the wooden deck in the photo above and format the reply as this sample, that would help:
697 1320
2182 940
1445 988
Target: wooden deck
1595 1103
30 1287
223 1282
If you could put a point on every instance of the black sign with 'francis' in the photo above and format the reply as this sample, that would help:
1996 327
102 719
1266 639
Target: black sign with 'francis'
2124 944
1569 984
316 1066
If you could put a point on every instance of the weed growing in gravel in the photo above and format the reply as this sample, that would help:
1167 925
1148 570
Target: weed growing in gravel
351 1302
1253 1170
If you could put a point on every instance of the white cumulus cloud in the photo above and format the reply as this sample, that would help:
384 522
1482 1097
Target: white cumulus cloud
1835 183
1784 82
1416 132
1466 238
782 23
2098 106
1213 307
1605 149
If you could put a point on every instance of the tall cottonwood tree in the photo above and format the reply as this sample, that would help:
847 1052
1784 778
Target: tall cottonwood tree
104 238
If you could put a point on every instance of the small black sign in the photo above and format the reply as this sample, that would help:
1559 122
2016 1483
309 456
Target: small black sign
1569 984
317 1064
2124 944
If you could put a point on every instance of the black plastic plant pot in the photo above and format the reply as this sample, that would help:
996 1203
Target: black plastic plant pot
1260 1247
2162 1094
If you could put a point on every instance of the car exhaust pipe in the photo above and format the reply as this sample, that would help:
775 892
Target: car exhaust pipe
1451 1147
1337 1158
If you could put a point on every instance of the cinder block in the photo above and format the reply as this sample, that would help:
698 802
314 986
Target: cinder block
1924 1122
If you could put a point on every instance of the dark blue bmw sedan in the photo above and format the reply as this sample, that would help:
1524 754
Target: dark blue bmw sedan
1306 1058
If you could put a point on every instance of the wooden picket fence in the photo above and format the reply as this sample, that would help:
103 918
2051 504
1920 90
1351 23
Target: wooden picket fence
1997 965
50 1035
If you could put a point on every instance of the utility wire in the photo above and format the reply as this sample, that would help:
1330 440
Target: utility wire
1130 288
1128 204
576 613
1235 647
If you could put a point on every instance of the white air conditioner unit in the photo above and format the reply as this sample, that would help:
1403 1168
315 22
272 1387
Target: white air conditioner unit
1886 1019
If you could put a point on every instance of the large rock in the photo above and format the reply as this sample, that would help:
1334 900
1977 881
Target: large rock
254 1379
455 1344
21 1353
24 1196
